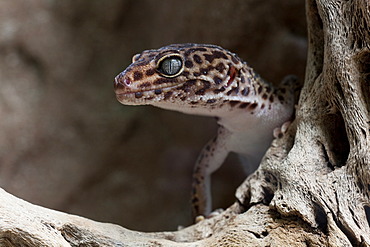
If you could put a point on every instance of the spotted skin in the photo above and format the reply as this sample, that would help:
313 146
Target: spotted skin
211 81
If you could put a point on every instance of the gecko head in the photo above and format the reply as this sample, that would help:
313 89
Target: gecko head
179 77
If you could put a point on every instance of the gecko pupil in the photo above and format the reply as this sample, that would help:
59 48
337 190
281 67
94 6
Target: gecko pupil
170 66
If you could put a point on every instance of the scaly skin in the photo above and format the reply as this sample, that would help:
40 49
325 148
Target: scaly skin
209 80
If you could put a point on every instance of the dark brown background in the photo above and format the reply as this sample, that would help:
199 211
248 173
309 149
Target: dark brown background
66 143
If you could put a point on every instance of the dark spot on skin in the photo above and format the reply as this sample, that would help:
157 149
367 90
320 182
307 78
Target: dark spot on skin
183 98
233 90
281 98
150 72
219 90
187 85
217 79
283 90
138 95
190 82
259 90
146 84
189 64
245 91
206 84
158 91
164 80
192 50
167 95
138 75
168 51
244 105
200 92
262 106
242 79
253 106
197 59
233 58
184 88
194 102
208 148
220 67
150 98
265 96
215 55
271 98
185 73
233 103
239 73
196 74
204 71
210 101
268 89
208 57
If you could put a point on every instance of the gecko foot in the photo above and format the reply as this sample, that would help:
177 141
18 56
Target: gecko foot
280 131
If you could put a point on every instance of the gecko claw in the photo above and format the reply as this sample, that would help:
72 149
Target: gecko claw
199 218
280 131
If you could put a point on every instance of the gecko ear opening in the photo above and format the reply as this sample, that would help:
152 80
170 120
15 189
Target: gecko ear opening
170 66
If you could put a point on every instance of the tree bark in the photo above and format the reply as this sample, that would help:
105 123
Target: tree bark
313 185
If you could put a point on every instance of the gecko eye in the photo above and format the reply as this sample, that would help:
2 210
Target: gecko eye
170 66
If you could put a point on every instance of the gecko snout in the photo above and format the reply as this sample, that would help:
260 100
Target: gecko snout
121 82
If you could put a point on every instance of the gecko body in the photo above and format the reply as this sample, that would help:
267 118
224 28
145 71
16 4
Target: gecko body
211 81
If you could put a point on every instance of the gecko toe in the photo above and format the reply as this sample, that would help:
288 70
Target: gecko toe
280 131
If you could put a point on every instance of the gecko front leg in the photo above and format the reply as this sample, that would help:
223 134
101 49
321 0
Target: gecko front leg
210 159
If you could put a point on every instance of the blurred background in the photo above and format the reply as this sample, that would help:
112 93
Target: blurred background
67 144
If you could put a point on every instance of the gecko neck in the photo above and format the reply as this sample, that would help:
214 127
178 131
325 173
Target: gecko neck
243 93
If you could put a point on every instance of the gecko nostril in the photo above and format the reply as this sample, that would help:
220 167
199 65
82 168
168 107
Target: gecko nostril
127 82
121 82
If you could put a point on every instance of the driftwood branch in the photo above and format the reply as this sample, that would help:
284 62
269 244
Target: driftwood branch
25 224
312 187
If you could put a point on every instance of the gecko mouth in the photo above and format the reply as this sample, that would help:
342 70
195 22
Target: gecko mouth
125 92
144 97
147 92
